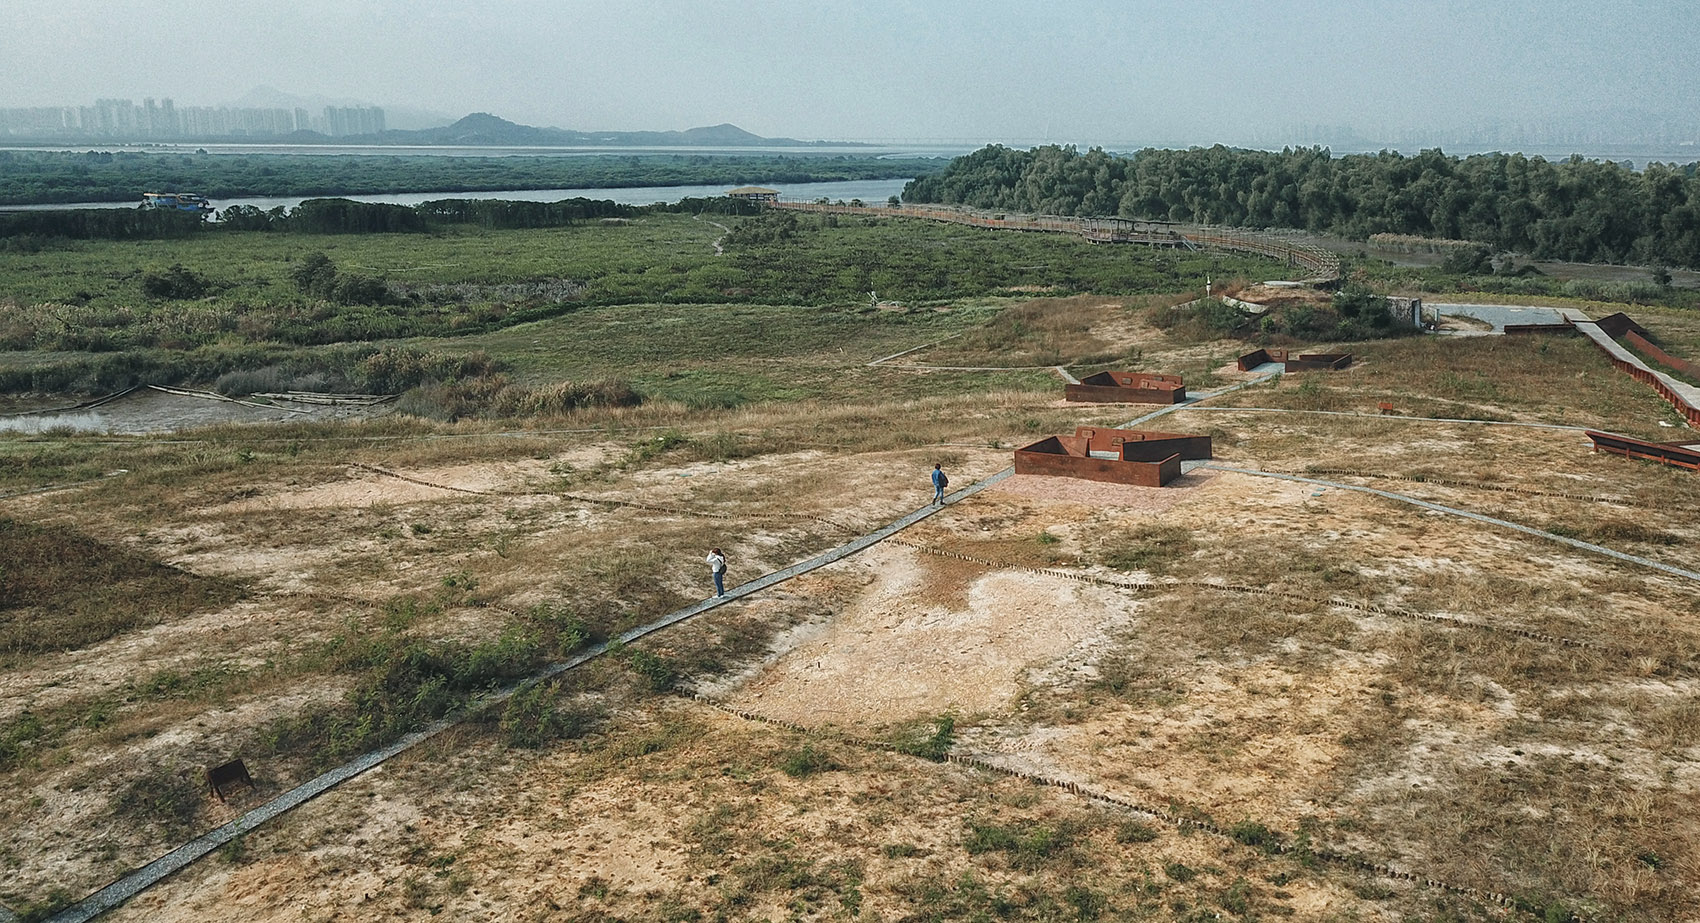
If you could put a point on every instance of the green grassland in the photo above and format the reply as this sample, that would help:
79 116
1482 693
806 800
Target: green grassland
783 288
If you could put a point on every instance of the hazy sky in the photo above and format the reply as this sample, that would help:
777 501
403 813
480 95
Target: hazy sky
1193 71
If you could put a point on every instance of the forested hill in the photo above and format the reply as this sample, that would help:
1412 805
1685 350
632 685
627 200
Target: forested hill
1566 210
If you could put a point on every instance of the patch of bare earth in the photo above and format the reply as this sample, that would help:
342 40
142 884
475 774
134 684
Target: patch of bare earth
928 635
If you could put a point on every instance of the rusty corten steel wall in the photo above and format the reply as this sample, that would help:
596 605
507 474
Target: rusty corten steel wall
1144 445
1253 359
1660 356
1293 363
1033 460
1127 388
1133 380
1563 329
1314 361
1616 325
1689 411
1620 324
1100 394
1665 453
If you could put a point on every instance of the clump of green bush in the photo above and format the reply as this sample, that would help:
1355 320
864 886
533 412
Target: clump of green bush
536 716
177 282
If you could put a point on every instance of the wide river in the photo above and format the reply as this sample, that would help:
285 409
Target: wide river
871 191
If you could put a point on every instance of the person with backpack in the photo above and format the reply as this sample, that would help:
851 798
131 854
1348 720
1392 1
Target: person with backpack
940 482
717 567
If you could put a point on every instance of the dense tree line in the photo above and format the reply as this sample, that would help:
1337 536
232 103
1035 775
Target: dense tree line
46 177
96 224
1574 209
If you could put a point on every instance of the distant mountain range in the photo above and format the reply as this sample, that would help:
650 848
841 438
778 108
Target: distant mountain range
481 128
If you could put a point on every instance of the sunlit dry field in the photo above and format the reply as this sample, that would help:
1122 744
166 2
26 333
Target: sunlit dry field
1284 677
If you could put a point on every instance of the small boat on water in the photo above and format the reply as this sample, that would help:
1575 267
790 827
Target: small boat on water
177 201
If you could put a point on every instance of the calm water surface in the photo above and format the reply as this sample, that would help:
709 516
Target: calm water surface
872 191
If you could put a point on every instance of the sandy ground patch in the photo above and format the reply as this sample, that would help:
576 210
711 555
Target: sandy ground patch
928 636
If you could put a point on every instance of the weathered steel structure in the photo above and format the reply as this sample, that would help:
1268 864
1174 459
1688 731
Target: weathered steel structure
1564 329
1115 456
1293 362
1678 454
1128 388
1684 398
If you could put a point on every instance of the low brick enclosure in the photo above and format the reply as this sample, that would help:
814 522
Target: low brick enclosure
1128 388
1294 362
1115 456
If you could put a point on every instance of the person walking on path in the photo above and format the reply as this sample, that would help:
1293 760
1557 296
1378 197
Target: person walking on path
940 482
717 567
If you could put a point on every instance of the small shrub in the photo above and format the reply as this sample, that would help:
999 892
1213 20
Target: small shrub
1178 872
806 761
161 799
1027 847
315 275
1134 831
534 717
562 631
653 667
178 282
1475 260
1237 899
360 290
1255 835
929 740
657 445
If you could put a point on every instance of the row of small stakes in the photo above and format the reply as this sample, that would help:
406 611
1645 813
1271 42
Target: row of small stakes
1182 820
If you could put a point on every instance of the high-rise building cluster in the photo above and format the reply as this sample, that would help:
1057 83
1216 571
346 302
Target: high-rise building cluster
161 120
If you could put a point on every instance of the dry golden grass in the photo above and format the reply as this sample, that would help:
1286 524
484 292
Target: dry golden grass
1377 733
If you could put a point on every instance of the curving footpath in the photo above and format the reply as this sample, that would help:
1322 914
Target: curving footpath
148 875
120 891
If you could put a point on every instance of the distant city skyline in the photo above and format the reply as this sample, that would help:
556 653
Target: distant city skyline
162 120
1157 72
